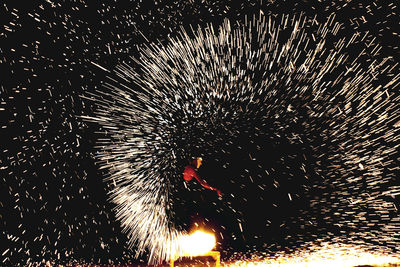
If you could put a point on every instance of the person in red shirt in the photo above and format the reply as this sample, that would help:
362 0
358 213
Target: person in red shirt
191 172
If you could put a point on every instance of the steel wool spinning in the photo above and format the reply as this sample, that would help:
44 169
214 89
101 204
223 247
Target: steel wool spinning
275 81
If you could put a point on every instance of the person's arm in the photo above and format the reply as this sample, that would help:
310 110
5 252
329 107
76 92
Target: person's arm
204 183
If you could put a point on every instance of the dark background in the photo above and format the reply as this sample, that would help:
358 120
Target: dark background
53 202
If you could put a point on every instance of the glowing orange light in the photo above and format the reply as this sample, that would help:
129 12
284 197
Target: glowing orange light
197 244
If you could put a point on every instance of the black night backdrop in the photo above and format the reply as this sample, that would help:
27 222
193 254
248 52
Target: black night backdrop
301 156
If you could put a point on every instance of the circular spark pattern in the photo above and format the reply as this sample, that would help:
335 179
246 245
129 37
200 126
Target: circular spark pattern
324 104
296 179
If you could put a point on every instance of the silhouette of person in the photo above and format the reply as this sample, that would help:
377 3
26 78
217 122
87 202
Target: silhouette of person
191 172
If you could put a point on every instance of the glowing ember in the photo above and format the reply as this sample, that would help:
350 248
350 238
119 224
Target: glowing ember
197 244
327 255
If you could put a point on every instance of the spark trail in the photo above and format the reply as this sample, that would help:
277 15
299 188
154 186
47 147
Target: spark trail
205 87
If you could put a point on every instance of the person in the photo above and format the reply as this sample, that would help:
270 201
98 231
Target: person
190 172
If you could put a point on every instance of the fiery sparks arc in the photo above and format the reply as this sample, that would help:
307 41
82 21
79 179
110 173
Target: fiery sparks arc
268 67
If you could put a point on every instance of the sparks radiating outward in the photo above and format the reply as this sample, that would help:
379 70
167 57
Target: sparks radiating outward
287 69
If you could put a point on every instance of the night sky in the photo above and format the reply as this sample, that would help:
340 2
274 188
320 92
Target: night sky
285 180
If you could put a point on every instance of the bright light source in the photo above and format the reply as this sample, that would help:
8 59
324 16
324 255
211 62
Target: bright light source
197 244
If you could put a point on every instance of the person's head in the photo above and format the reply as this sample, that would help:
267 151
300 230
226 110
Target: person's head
199 161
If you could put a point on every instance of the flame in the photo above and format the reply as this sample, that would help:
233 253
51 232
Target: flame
197 243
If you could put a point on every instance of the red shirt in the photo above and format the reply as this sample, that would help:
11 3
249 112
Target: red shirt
190 173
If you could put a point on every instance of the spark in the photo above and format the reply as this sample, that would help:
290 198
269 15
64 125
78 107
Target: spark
266 68
330 255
